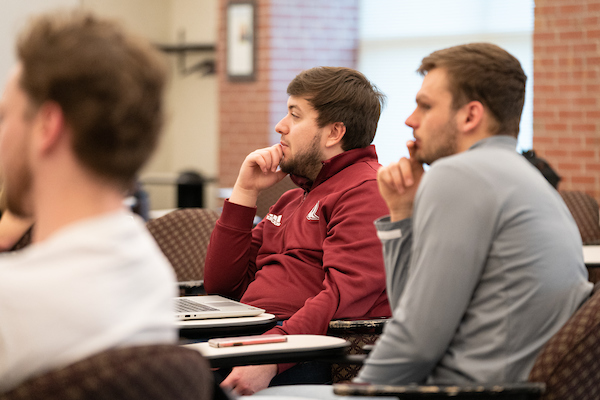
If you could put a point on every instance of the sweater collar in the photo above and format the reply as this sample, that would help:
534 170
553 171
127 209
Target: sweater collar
334 165
504 141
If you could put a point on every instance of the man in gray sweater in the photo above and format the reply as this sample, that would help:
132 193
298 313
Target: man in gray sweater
483 259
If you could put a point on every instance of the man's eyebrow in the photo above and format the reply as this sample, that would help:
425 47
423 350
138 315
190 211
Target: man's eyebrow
293 107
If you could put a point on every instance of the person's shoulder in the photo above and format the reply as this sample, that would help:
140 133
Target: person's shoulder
363 170
460 176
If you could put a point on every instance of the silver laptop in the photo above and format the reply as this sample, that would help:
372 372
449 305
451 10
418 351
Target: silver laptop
205 307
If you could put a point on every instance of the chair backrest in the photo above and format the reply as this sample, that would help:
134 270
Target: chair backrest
584 209
359 333
269 196
569 364
154 372
183 237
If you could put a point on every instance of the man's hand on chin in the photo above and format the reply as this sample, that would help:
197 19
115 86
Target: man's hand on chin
248 380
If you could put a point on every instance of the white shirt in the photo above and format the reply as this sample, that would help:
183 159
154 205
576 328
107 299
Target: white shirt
96 284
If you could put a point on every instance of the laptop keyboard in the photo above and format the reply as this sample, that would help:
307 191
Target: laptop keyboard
184 305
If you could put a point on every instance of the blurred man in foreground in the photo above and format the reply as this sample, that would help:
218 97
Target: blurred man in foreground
80 114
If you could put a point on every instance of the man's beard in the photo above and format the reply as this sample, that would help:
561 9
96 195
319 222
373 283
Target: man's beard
307 163
445 144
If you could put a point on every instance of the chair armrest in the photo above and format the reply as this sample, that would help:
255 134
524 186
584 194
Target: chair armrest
367 348
375 324
514 391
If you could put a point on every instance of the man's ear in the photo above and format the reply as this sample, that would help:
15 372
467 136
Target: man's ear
337 130
471 116
50 122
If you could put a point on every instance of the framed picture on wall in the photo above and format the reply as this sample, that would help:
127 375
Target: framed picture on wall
240 40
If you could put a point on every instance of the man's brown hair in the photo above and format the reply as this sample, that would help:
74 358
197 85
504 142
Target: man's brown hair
108 83
344 95
486 73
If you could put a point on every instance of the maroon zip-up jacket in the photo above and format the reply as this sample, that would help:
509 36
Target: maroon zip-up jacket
315 257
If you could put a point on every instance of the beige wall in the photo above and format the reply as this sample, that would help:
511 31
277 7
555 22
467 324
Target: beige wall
149 18
193 98
13 16
190 138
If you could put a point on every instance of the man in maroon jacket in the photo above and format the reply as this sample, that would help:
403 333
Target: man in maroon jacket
316 256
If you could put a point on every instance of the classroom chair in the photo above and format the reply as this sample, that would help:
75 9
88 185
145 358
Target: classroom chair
152 372
183 237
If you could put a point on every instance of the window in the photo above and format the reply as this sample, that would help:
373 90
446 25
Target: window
396 34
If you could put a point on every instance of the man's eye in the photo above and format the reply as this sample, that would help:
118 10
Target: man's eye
295 116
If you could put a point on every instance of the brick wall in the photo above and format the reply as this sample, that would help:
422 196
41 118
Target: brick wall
566 109
243 106
291 36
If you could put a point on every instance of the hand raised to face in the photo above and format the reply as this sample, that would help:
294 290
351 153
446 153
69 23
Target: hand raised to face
398 183
258 172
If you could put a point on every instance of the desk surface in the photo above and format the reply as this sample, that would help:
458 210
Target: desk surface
222 327
297 348
591 256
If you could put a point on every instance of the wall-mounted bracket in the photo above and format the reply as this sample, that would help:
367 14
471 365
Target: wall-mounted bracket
204 67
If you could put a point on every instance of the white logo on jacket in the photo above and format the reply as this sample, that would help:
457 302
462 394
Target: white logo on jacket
274 219
312 214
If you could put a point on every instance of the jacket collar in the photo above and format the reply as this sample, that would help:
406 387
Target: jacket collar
334 165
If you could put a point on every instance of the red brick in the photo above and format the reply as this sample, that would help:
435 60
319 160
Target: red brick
592 88
571 61
571 9
584 127
543 36
585 101
541 140
556 48
592 166
544 114
557 101
593 61
556 127
569 140
544 88
593 34
545 10
583 179
570 114
570 88
583 154
564 22
572 35
569 166
538 76
592 141
556 153
546 62
579 48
